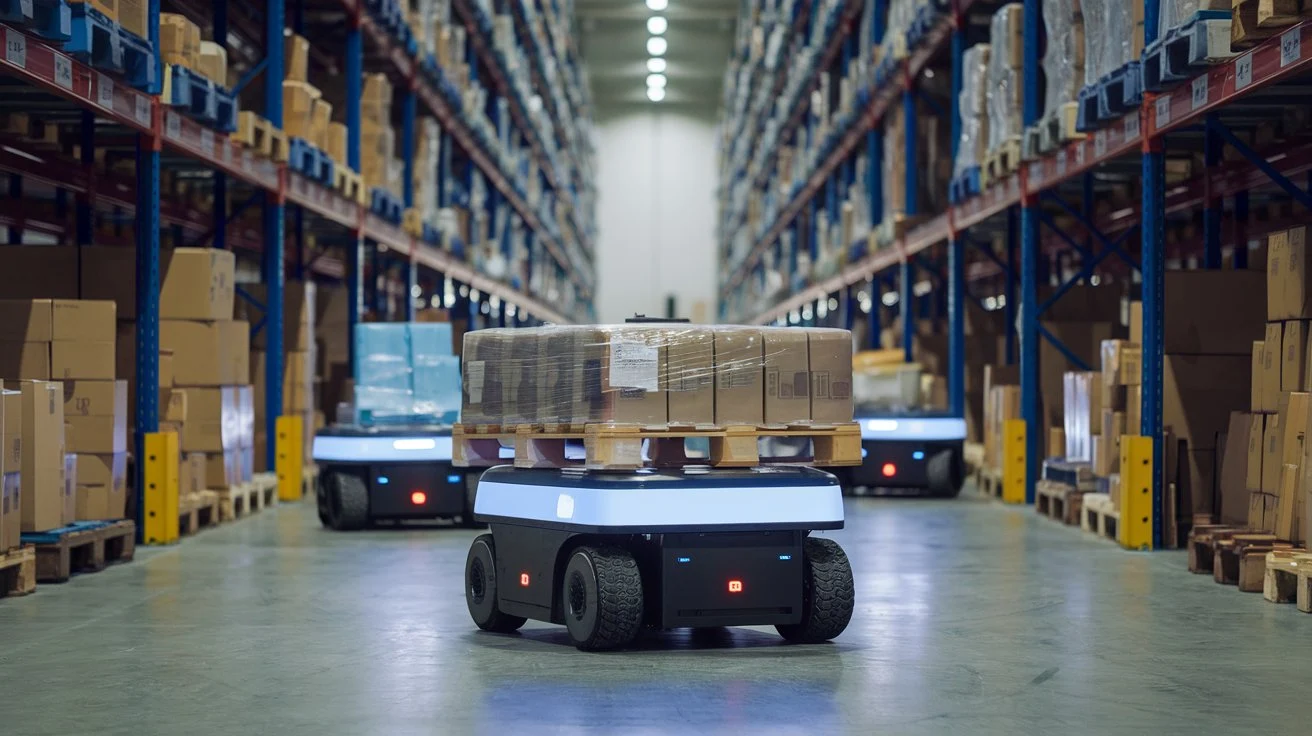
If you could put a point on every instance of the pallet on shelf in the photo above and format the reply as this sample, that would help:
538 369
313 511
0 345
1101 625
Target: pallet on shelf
348 183
1253 21
386 205
261 136
1184 51
617 447
1001 161
81 547
50 20
18 571
1058 501
1288 577
199 98
1052 131
197 511
1099 516
103 44
312 162
965 185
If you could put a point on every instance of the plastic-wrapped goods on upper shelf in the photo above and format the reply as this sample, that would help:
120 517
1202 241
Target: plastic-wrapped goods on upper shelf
901 14
1063 57
1004 75
1175 13
406 374
974 111
654 375
1113 30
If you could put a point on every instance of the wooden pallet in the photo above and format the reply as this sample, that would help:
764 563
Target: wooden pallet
261 136
309 479
266 484
990 482
197 511
1234 559
1287 577
1255 20
18 571
1058 502
1001 161
618 447
240 500
1098 516
348 183
1200 545
82 547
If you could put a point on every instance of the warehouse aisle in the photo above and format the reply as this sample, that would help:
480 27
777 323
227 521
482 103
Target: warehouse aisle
970 618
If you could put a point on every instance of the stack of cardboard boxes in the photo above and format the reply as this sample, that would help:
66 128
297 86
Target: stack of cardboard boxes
131 14
379 165
69 346
298 385
181 44
658 377
306 114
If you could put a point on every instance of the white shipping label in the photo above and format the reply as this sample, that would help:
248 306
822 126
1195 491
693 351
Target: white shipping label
634 364
474 376
1244 71
104 91
15 48
63 71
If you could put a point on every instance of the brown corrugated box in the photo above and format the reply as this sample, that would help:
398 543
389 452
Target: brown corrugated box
1297 286
191 473
1212 312
1256 391
82 360
1277 255
1293 355
97 411
1271 366
213 353
83 320
11 460
39 272
787 376
198 284
1253 469
1271 447
1232 491
519 379
480 385
1195 405
632 375
739 394
830 355
559 378
43 490
27 361
690 358
26 320
101 486
211 420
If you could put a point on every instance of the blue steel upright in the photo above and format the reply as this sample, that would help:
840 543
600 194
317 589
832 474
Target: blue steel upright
354 259
907 303
1030 390
220 18
274 212
408 104
148 280
1154 263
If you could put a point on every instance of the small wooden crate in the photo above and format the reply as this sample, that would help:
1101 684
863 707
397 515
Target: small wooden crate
1288 577
18 571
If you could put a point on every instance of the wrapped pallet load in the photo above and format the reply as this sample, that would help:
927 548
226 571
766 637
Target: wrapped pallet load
1063 66
1005 80
974 112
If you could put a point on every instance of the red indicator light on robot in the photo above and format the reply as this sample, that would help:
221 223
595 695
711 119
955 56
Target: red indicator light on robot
735 586
889 470
523 579
419 498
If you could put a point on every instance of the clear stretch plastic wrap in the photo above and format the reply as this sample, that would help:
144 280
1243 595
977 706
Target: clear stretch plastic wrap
1063 60
1175 13
1109 29
974 111
901 14
1004 75
657 374
406 374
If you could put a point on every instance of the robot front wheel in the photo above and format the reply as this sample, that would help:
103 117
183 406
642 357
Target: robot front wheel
828 594
481 589
343 501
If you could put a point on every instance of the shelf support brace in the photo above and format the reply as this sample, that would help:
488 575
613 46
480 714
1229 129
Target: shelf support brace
956 327
907 302
274 232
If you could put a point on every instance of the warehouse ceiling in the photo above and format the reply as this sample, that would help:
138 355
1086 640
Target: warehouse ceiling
613 42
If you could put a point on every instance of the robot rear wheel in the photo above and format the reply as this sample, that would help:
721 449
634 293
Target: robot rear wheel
828 594
481 588
344 503
602 598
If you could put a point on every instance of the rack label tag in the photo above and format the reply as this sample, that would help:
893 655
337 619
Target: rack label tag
173 126
63 71
207 141
1100 143
15 48
1132 126
1079 154
1198 92
142 111
1061 162
1244 71
104 91
1163 109
1291 46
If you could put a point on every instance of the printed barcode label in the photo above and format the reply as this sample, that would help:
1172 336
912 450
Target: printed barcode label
1244 71
207 141
173 125
1163 110
142 112
1291 46
1198 92
104 91
474 376
63 71
1132 125
634 364
1100 143
15 48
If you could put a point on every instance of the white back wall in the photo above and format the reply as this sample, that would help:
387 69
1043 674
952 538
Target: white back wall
656 214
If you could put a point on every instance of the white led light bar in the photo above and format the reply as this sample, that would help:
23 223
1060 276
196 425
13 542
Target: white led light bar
381 448
929 429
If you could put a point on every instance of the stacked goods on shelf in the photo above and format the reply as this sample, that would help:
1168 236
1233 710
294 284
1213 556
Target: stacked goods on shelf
427 155
1063 72
901 14
179 41
973 144
1006 57
657 377
211 398
1113 30
379 165
299 397
71 342
882 381
933 161
1120 375
407 374
182 47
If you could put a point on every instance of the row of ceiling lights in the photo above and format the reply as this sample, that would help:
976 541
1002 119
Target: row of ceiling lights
656 47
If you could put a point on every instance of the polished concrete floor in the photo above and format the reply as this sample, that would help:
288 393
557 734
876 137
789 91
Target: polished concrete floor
971 618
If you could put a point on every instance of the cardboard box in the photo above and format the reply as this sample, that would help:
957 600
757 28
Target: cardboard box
83 320
98 434
1253 462
831 375
43 492
26 320
559 378
1272 441
481 399
212 424
191 473
207 353
1262 511
1232 493
165 368
296 57
1121 364
1293 355
1056 443
298 108
632 376
134 16
27 361
691 369
739 374
1293 421
222 469
1284 526
197 284
520 379
1212 312
787 376
101 486
39 272
1277 266
1256 398
1081 411
212 63
321 114
1297 297
82 361
1271 366
335 142
11 459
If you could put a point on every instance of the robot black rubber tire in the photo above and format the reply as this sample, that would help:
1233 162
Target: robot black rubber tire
348 502
481 588
601 597
828 595
945 473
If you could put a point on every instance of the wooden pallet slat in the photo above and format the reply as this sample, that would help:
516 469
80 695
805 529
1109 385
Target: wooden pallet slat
197 511
1058 502
82 547
18 571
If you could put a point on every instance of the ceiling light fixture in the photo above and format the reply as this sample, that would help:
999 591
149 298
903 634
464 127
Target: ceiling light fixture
655 94
656 66
657 25
656 46
656 80
658 5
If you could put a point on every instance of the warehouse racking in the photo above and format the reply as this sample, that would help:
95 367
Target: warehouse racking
1054 220
89 90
